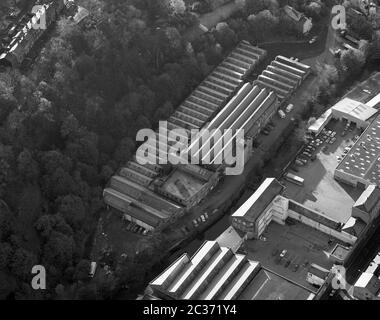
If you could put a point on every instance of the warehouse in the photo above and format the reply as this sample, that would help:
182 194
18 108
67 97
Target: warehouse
139 191
283 76
361 165
353 111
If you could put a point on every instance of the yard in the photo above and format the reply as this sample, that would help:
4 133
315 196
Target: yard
321 191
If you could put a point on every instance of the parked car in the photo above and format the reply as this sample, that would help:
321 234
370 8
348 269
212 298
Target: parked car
266 132
289 108
281 114
299 163
313 39
283 253
92 271
195 223
203 218
303 161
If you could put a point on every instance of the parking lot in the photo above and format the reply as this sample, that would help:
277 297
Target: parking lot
321 191
290 249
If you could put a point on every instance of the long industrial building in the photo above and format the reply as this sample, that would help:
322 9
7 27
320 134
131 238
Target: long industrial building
283 76
153 194
250 106
213 273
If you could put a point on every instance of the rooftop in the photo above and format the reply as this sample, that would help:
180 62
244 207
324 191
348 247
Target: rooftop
267 285
182 185
363 160
262 197
231 238
368 198
355 109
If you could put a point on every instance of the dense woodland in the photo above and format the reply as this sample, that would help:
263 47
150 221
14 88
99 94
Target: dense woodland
70 121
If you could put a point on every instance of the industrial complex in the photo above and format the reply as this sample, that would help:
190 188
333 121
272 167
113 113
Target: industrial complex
273 238
153 194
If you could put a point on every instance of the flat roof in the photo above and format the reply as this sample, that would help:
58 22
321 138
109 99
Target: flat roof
354 109
267 285
374 101
182 184
256 204
364 279
320 122
340 252
230 238
363 160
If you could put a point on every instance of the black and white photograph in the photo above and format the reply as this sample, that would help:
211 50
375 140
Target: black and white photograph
189 158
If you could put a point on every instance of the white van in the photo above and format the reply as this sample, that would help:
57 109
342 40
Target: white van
92 269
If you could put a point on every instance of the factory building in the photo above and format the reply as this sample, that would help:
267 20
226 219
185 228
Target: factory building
212 273
239 264
353 111
361 165
154 194
249 110
367 207
283 76
267 204
23 35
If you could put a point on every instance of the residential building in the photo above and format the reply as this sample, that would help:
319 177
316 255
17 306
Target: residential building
302 23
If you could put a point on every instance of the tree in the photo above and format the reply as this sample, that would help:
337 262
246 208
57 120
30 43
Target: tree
125 150
59 250
27 166
5 255
73 209
70 126
46 224
314 9
22 263
81 270
178 6
225 35
352 62
361 26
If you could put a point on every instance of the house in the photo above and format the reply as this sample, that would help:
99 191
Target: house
302 23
